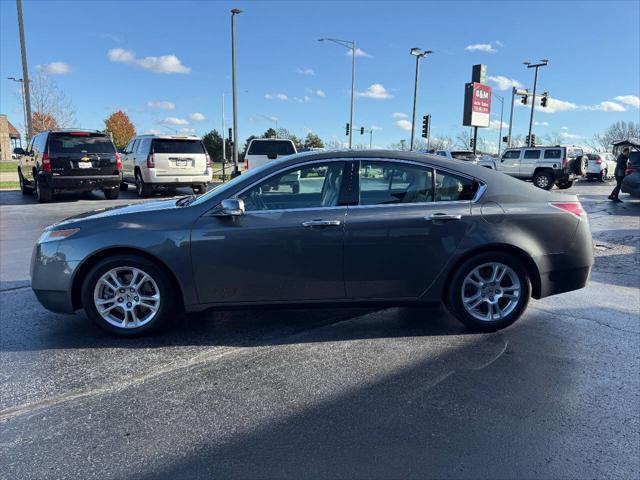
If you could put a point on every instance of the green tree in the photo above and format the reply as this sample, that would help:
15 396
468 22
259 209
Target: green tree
213 143
246 144
284 133
270 133
313 141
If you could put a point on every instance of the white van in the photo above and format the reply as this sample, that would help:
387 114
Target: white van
152 161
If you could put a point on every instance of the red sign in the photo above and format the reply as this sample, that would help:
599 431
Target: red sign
481 101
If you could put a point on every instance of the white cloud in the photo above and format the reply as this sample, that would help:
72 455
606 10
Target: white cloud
375 128
163 104
268 96
553 105
162 64
499 43
188 130
480 47
278 96
540 124
306 98
55 68
152 132
399 115
376 91
305 71
404 124
175 121
607 106
564 128
495 125
630 100
197 117
570 136
359 53
321 93
504 83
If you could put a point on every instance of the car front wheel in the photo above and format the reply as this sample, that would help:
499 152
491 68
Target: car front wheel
489 291
603 176
127 295
543 180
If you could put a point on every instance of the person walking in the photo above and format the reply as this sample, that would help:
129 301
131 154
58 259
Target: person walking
621 168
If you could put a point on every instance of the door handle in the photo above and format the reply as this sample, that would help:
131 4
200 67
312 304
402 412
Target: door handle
442 216
321 223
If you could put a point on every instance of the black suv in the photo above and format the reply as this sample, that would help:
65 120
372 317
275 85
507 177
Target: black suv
76 160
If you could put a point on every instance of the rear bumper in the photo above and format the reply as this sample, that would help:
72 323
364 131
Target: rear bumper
166 178
52 277
80 182
631 185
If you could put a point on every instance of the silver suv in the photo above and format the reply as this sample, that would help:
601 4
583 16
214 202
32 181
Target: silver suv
153 161
544 166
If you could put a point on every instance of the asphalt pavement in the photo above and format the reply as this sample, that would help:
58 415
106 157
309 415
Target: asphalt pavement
329 393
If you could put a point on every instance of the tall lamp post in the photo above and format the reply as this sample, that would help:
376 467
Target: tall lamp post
352 46
24 104
543 63
418 53
501 99
25 73
234 12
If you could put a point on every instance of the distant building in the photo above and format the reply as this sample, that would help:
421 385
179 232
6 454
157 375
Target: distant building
9 138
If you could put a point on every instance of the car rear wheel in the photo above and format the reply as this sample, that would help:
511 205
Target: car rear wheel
142 189
127 295
603 176
111 193
26 190
43 193
124 186
199 189
489 291
565 185
543 180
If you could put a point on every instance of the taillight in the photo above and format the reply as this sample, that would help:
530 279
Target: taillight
246 164
150 163
565 163
571 207
80 134
209 164
46 163
598 162
118 162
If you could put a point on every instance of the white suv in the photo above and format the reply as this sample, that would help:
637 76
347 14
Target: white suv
544 166
152 161
601 166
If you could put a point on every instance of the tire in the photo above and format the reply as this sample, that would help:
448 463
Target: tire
199 189
514 279
43 194
603 176
111 193
565 185
543 180
26 190
580 166
148 319
142 189
124 186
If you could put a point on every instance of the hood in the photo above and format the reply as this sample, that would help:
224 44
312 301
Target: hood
132 208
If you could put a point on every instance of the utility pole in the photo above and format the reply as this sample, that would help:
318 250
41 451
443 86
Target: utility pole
543 63
234 12
513 96
501 99
25 73
418 53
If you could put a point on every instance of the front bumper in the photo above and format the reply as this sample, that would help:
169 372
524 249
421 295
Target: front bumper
52 278
80 182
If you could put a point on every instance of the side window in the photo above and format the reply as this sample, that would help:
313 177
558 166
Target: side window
311 186
30 146
40 142
384 183
143 146
535 154
134 146
553 154
442 154
129 147
454 188
511 154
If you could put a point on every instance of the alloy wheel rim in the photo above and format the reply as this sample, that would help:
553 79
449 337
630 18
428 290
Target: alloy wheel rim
126 297
491 291
543 181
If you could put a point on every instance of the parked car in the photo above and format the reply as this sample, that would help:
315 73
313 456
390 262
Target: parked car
631 182
465 155
69 160
544 166
601 166
159 161
264 150
437 231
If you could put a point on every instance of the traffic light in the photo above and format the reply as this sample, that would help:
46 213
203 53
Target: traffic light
347 129
523 99
505 139
533 140
361 130
526 141
472 142
544 99
230 133
426 121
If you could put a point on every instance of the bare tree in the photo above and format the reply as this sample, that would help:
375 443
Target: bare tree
618 131
441 142
49 102
463 139
554 138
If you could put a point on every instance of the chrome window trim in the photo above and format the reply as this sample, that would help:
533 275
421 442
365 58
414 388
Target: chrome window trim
286 210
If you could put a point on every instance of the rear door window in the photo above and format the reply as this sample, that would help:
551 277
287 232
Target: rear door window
272 148
385 183
65 144
454 188
532 154
553 154
511 154
170 145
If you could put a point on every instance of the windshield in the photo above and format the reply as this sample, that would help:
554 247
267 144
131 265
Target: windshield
66 144
271 147
162 145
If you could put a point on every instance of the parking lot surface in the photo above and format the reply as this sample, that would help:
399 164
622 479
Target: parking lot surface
327 393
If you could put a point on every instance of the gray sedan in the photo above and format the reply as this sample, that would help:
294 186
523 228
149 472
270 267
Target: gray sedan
365 227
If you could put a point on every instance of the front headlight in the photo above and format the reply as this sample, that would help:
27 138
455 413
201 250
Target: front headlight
53 235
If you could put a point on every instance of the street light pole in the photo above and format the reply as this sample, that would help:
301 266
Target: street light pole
24 107
351 45
25 73
501 99
543 63
234 12
418 53
513 96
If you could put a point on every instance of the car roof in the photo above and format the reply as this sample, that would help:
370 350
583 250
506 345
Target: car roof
170 137
271 140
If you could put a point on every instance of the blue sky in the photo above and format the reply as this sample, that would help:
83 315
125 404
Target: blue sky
140 56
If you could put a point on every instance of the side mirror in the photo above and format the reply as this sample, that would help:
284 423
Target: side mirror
18 151
231 207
